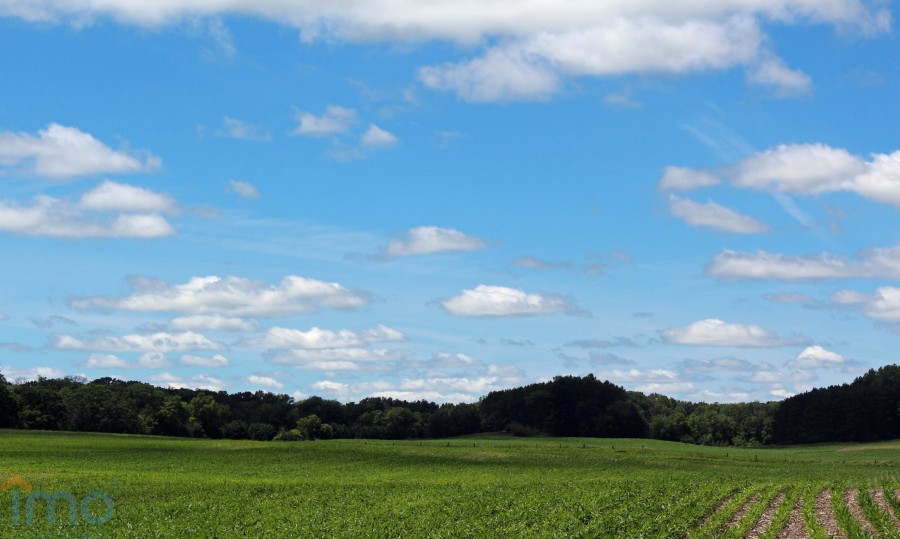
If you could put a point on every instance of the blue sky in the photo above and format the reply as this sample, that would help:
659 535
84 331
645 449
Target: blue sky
435 200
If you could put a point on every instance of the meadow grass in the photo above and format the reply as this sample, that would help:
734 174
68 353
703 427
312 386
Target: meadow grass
478 486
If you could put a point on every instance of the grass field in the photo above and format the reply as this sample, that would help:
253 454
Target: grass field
484 486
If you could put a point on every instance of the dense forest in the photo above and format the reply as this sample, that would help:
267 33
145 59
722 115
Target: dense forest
867 409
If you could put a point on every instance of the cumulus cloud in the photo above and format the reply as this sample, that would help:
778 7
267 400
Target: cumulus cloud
29 374
714 332
785 81
212 322
880 262
59 152
883 305
719 364
228 297
486 300
148 360
112 210
243 189
105 361
431 239
216 360
158 342
535 45
712 215
318 339
376 137
120 197
265 381
200 381
435 389
323 349
816 357
339 359
333 121
811 169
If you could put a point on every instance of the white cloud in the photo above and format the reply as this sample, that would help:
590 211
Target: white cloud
499 75
714 332
157 342
212 322
435 389
217 360
672 388
243 131
713 215
265 381
815 357
148 360
881 262
339 359
785 81
811 169
432 239
376 137
153 360
105 361
333 121
201 381
719 364
486 300
881 306
16 374
59 152
48 216
444 359
319 339
120 197
228 296
686 179
637 375
536 43
243 189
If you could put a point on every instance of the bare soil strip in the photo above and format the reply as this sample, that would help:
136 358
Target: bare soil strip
826 516
765 519
878 496
742 512
853 504
795 528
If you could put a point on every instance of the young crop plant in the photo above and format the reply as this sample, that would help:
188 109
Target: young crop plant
746 523
792 494
873 513
852 528
713 528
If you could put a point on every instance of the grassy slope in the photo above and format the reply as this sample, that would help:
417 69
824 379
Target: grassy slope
478 486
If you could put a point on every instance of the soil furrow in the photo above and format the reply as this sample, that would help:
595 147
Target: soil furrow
826 516
765 519
795 528
742 512
881 500
850 498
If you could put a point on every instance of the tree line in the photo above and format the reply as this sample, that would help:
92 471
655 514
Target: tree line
867 409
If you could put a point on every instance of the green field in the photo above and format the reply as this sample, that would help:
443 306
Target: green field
484 486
